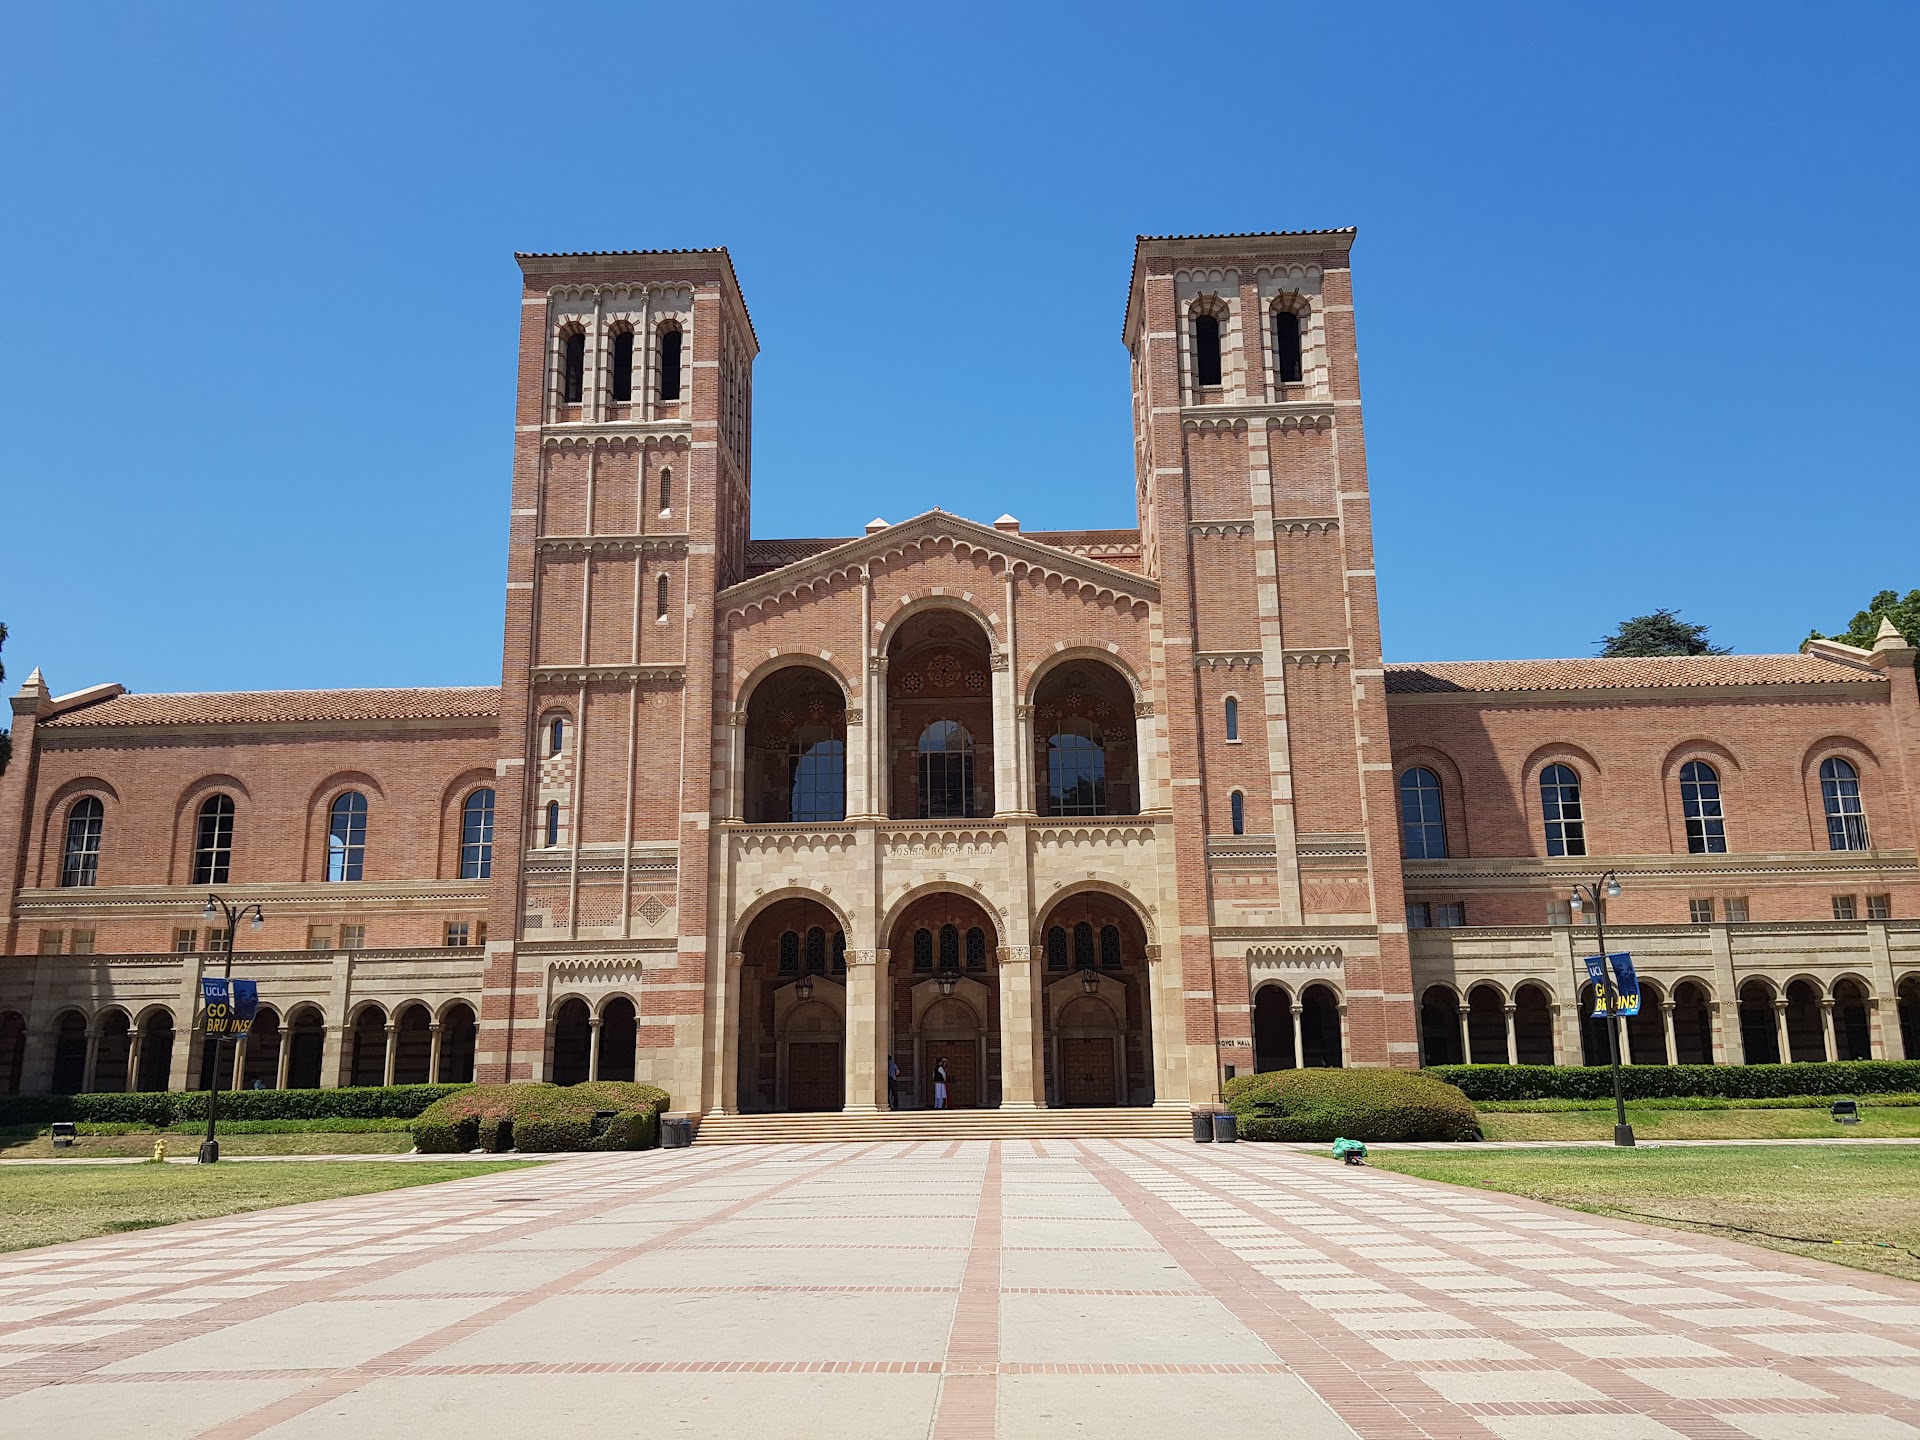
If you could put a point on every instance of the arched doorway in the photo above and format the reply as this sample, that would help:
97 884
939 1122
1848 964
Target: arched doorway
1909 1005
1098 1014
306 1048
115 1050
1806 1023
1596 1047
943 979
796 756
458 1034
264 1038
1852 1029
1533 1025
940 718
156 1050
793 1005
1647 1031
572 1042
1321 1044
619 1029
1086 760
369 1059
1440 1027
1487 1025
1759 1037
69 1053
413 1046
1273 1047
1692 1024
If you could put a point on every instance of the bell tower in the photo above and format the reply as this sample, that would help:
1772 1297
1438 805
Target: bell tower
631 502
1255 516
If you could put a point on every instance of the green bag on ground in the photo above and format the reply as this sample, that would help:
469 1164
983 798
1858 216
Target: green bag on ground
1351 1151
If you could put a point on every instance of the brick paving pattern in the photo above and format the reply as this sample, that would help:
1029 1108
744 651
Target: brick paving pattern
1029 1288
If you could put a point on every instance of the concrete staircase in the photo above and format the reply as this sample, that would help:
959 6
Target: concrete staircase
1170 1122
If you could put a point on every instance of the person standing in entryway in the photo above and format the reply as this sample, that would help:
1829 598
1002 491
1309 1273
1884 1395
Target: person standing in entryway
893 1083
940 1083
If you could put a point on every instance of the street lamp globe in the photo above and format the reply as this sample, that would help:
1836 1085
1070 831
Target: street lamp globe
1613 888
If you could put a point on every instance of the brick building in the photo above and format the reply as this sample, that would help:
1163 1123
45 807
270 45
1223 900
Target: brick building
1083 818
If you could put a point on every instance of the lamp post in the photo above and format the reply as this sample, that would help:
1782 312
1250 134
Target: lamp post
1597 894
216 908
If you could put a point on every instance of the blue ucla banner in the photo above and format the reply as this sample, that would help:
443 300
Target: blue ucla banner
223 1017
1626 983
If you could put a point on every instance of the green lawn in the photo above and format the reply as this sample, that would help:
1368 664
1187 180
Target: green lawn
1652 1121
1859 1193
45 1204
36 1145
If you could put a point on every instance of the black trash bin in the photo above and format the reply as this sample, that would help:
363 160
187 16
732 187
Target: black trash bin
676 1134
1202 1128
1226 1127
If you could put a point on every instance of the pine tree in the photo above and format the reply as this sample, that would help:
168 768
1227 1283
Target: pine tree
1661 633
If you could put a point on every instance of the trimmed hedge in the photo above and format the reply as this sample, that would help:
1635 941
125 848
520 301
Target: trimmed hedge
542 1118
161 1108
1369 1105
1656 1082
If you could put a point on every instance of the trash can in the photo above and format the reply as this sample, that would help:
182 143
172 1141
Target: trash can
1202 1128
676 1134
1226 1127
65 1132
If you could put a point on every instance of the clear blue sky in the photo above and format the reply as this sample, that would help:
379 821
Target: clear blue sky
1637 290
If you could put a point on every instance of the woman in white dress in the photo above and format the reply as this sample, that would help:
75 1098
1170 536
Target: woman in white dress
940 1083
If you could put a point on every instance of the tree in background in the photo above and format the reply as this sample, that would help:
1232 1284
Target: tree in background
1888 605
1661 633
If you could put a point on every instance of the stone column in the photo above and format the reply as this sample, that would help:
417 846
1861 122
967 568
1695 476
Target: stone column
239 1076
593 1047
433 1053
1021 991
1007 799
1876 1031
1626 1041
1559 1054
1666 1026
1513 1039
866 1028
286 1058
1466 1037
1346 1043
1826 1026
1730 1046
727 1003
133 1060
1299 1048
386 1067
1780 1030
93 1057
880 781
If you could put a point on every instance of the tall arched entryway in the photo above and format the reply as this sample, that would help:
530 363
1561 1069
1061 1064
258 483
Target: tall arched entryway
1085 761
796 750
1097 1016
1296 1029
154 1070
116 1050
940 718
793 1008
306 1048
943 981
1441 1039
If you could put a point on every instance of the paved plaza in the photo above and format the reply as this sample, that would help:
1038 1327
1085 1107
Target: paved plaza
966 1289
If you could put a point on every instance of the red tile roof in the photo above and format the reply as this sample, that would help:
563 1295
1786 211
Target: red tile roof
279 707
1653 672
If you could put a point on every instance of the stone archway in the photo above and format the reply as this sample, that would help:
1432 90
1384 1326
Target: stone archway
1097 1019
943 977
792 1009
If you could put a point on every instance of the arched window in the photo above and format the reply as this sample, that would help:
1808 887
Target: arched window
1286 347
817 950
557 735
476 836
1076 770
1840 795
623 367
1057 948
1206 350
790 952
660 598
817 763
1109 947
553 823
575 369
670 341
1237 803
976 948
1700 803
1083 946
81 864
946 771
213 841
923 949
949 947
347 836
1233 718
1560 808
839 952
666 491
1423 830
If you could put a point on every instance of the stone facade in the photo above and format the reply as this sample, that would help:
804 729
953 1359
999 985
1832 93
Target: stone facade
1062 819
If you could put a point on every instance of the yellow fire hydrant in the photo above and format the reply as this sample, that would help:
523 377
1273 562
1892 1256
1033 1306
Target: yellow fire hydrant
160 1149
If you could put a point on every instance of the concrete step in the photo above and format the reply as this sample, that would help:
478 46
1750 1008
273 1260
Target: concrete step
920 1125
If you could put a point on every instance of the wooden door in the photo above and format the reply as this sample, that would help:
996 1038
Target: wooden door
814 1075
1087 1063
963 1074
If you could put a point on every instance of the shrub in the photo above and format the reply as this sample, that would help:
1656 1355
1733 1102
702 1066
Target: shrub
161 1108
542 1118
1369 1105
1656 1082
